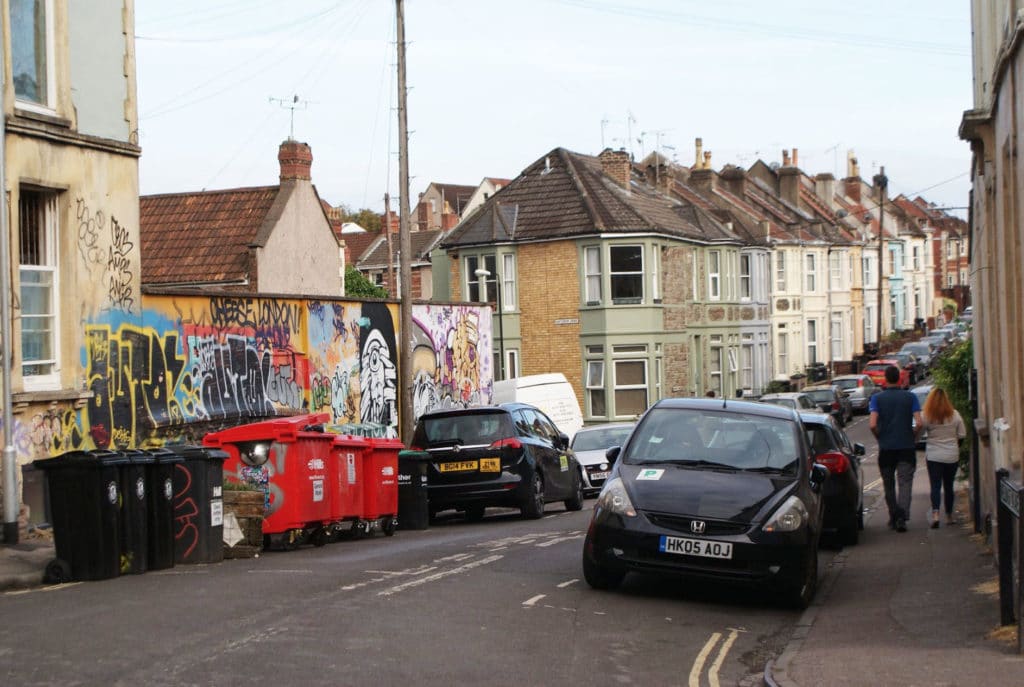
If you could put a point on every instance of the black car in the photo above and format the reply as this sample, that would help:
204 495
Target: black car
831 399
844 491
509 455
719 490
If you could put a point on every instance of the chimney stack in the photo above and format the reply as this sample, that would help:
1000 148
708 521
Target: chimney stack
617 166
735 179
699 160
852 168
825 188
785 158
296 160
796 163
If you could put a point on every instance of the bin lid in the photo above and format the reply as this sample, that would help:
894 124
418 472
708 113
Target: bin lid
193 452
164 455
138 457
82 459
349 441
386 443
277 429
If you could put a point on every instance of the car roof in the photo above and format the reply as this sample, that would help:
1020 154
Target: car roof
850 376
819 387
720 404
606 425
499 408
815 418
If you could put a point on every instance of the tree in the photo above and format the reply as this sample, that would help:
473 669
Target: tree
953 373
368 219
359 286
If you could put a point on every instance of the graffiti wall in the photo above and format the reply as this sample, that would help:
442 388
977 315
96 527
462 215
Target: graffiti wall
192 364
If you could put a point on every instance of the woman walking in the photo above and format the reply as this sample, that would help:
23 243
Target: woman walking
945 430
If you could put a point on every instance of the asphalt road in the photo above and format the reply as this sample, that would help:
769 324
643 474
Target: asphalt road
499 602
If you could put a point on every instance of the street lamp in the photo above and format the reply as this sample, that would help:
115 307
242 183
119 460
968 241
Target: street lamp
483 275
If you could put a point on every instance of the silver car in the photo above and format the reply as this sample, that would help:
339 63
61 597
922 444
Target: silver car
590 444
859 389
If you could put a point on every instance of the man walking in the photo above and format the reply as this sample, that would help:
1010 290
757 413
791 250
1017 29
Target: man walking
893 412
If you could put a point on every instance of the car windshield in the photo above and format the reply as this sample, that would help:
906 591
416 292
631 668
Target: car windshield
917 349
787 402
820 395
845 384
600 439
463 429
732 440
877 367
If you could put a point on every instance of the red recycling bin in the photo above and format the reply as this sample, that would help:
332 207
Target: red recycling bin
380 480
291 459
347 461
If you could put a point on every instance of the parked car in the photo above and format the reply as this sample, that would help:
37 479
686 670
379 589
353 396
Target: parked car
859 388
590 444
831 399
844 489
508 455
939 341
909 362
876 370
923 351
922 393
711 489
790 399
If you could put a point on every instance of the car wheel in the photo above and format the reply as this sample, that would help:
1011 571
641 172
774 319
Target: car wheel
600 577
799 589
475 513
533 507
575 502
849 530
860 517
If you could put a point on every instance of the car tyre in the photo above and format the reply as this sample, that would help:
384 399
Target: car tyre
799 589
600 577
575 502
533 506
849 530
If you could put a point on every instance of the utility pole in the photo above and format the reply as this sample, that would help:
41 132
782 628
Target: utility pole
882 182
404 239
391 252
10 467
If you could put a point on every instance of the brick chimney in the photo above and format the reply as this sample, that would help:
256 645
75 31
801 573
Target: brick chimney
296 160
789 185
735 180
825 188
617 166
703 179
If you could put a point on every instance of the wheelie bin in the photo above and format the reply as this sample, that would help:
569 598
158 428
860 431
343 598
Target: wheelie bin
198 504
160 522
380 484
347 462
413 503
134 511
290 458
85 509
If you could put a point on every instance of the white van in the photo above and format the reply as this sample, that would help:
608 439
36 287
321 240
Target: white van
552 393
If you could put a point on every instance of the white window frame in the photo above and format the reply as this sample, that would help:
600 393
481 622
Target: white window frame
782 351
915 258
616 387
48 107
592 275
627 300
869 276
655 273
870 317
511 363
811 261
835 271
47 269
596 368
716 365
508 282
746 277
780 271
473 291
811 337
714 275
747 362
837 338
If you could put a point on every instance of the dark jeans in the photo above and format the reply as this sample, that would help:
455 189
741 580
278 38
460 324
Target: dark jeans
941 476
897 468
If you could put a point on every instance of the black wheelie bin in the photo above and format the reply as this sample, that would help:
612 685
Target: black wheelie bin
198 504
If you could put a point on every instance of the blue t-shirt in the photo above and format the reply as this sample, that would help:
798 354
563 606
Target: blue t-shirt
895 408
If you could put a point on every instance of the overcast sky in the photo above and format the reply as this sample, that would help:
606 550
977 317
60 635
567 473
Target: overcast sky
494 85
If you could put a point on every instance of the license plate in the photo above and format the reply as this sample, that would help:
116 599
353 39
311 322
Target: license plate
459 466
598 475
490 465
695 547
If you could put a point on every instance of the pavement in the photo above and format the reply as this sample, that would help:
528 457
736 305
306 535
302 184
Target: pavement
913 608
22 564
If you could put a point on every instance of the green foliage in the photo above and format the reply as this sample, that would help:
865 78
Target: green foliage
776 386
358 286
366 218
953 373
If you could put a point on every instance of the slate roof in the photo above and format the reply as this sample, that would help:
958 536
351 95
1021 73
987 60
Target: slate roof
357 243
377 254
201 237
565 195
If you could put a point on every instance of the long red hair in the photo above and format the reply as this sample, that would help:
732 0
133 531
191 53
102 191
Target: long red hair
937 407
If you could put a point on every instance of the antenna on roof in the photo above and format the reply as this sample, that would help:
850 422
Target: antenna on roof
292 104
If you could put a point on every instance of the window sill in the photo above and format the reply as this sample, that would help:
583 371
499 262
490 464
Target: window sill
23 399
20 110
627 301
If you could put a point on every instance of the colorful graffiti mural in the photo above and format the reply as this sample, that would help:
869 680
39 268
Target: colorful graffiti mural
191 364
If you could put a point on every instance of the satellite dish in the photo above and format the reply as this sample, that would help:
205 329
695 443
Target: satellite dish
774 166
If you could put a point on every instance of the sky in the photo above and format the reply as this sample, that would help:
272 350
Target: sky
495 85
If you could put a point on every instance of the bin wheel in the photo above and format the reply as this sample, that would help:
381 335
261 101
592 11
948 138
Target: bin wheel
57 571
321 536
389 526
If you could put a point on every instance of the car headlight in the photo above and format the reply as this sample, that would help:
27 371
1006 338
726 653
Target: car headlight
614 499
789 517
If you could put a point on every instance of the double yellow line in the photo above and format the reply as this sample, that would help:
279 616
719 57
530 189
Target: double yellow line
716 665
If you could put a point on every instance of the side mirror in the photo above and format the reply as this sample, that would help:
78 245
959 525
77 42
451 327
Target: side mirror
563 440
819 473
612 454
858 449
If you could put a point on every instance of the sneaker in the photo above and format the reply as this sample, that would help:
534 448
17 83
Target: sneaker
935 519
901 525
